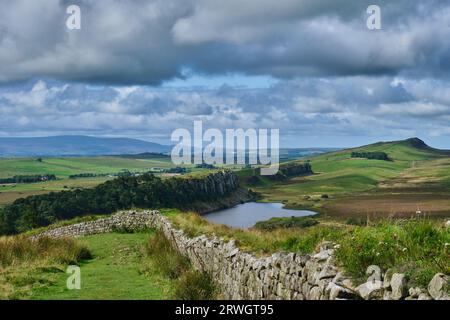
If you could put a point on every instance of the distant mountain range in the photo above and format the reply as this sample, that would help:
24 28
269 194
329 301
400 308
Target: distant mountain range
76 146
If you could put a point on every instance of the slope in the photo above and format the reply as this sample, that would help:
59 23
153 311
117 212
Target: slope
343 179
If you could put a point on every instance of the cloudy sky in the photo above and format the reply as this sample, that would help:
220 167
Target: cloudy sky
311 68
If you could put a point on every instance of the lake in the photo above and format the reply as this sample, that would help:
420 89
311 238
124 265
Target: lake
247 214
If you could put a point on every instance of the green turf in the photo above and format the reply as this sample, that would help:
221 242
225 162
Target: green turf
116 272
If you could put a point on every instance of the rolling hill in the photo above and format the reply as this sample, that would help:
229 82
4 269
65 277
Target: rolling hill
416 179
76 146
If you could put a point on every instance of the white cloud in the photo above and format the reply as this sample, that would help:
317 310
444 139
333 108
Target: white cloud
299 108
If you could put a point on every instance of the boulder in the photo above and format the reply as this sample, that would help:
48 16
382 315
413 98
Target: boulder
374 272
387 278
387 295
314 294
370 290
415 292
323 255
424 296
398 286
328 271
338 278
336 292
347 283
438 285
312 270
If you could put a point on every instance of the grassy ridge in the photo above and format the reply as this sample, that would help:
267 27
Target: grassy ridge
417 175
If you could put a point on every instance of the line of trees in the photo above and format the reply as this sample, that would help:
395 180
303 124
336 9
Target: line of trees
146 191
28 179
371 155
127 173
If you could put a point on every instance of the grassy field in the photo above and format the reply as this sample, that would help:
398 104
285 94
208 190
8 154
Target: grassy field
417 179
63 168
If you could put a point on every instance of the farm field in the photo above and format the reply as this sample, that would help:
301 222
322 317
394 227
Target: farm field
63 168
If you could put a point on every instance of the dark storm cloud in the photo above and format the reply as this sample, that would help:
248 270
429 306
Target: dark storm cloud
148 42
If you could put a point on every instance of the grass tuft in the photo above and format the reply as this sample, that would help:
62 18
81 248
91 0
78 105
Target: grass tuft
22 250
26 264
189 284
194 285
167 261
285 223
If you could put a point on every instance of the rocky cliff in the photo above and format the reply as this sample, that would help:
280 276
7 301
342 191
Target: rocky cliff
221 190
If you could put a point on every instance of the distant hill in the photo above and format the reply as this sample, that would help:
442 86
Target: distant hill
409 149
76 146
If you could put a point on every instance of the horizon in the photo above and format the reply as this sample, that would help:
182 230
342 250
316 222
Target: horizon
171 145
146 69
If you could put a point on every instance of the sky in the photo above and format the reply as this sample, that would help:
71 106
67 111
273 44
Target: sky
311 68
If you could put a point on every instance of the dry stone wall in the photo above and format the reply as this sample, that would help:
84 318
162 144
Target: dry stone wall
121 221
241 275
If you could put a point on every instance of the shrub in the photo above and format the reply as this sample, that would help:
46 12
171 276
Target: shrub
356 221
194 285
292 222
129 229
